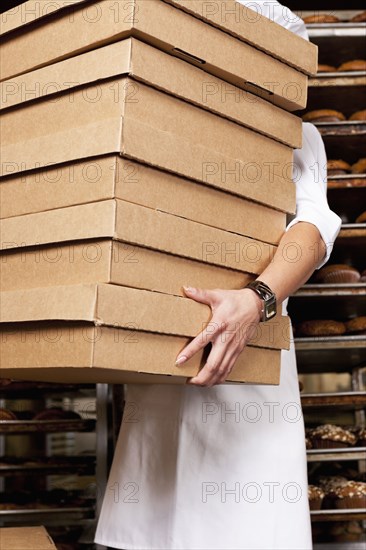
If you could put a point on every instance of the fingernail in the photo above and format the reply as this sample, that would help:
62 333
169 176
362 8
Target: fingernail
181 359
189 289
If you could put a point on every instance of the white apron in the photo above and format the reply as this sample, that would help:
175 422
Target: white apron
210 468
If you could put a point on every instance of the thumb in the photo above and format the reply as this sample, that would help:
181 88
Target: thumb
199 294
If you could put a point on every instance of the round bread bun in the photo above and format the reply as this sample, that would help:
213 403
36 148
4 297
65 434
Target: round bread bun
337 274
358 115
355 65
326 69
359 18
337 167
361 218
358 324
5 414
359 167
320 327
323 115
363 276
51 414
321 18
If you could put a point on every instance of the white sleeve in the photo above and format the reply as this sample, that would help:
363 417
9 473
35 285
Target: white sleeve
310 178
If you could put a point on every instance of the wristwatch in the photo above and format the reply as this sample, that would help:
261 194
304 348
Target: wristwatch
269 307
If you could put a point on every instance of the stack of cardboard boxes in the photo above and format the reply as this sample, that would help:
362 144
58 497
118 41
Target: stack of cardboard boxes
147 145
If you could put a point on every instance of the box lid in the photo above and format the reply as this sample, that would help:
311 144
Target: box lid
253 27
134 309
190 38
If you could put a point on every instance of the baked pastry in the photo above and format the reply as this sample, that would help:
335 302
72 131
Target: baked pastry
326 68
358 324
351 495
361 218
363 276
355 65
308 443
321 18
337 274
56 413
359 167
359 18
316 496
323 115
329 436
358 115
321 327
346 531
5 414
337 167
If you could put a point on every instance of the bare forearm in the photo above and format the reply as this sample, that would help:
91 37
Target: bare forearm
299 252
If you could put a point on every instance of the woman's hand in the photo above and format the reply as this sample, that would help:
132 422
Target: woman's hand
235 316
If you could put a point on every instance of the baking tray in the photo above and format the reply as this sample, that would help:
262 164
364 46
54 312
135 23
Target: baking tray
344 140
338 42
45 426
330 353
338 515
54 465
336 455
342 91
48 516
341 301
352 400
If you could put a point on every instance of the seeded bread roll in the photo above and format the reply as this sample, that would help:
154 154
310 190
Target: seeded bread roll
355 65
323 115
321 18
337 274
337 167
359 167
358 115
321 327
329 436
356 325
359 18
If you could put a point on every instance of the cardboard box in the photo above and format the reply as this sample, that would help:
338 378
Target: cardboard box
86 27
142 123
137 225
80 353
128 308
175 76
244 23
25 538
107 261
252 27
113 177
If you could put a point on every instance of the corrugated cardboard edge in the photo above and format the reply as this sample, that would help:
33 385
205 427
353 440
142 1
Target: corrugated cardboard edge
280 46
32 354
141 310
37 9
115 60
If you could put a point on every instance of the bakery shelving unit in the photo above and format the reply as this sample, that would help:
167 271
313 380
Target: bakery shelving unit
337 356
77 479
